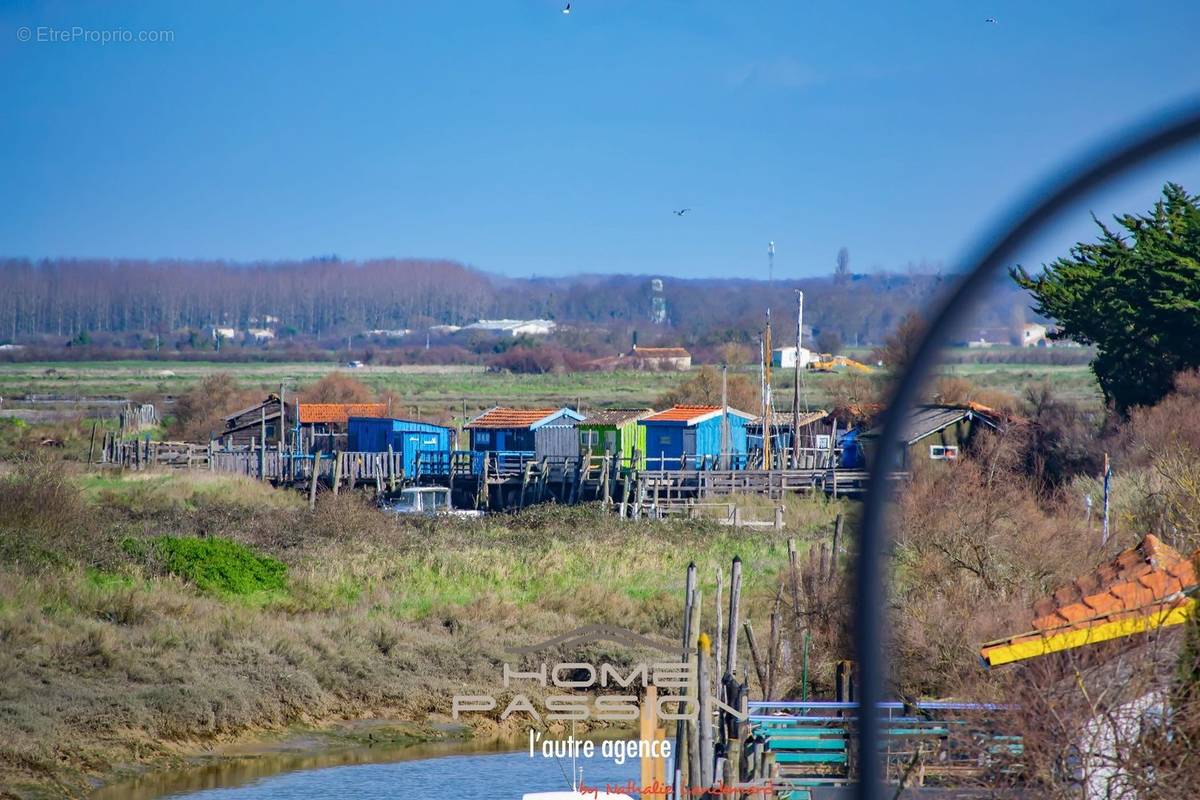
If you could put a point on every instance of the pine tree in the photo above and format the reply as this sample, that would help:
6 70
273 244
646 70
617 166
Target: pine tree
1135 295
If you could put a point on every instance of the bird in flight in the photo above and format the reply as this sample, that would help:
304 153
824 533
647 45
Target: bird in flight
567 8
681 212
991 21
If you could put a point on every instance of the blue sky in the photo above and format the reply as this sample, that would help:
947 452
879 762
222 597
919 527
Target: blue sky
524 141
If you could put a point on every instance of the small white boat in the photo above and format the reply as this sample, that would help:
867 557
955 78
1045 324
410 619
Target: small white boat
427 500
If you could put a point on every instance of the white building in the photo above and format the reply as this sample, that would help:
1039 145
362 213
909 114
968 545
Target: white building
785 357
1033 335
219 332
261 334
514 327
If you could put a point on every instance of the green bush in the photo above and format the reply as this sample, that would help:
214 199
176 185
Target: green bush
220 565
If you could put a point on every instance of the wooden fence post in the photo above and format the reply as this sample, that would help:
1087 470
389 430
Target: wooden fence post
391 469
337 472
312 482
837 543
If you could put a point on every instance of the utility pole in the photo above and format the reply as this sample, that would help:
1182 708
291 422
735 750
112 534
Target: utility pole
724 416
796 388
1107 477
766 398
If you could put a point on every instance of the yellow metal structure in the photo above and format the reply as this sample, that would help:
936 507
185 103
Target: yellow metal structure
839 361
1025 646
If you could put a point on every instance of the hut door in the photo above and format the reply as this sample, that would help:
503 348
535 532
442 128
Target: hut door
610 441
689 446
412 446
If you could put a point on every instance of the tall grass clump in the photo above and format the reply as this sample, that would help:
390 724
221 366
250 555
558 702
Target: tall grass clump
41 513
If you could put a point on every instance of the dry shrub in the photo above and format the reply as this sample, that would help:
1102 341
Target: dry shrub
856 398
900 346
199 413
974 549
42 513
704 388
1061 440
1120 718
955 390
337 387
1165 440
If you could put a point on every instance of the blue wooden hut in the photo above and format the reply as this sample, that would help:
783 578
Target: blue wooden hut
687 437
405 436
534 431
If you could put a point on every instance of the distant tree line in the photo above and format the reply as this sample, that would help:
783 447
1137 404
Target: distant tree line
77 299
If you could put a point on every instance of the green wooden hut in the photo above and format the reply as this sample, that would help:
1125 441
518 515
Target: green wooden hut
616 431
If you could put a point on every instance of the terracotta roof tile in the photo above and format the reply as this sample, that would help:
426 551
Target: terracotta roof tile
682 413
1137 580
339 412
510 417
1136 583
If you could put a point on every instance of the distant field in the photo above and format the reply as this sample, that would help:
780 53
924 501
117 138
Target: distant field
427 388
430 389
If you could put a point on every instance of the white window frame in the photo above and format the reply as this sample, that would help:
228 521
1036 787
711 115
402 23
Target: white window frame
943 452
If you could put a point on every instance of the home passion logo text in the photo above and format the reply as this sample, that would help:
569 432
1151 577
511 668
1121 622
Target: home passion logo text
596 690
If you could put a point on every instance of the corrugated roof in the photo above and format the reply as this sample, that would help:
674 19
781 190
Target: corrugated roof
691 414
271 398
925 420
616 416
511 417
339 412
1143 587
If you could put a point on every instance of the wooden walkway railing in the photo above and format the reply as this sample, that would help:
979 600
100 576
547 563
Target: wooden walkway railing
812 741
497 480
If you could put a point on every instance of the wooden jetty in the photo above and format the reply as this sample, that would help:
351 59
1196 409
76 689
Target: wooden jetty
497 480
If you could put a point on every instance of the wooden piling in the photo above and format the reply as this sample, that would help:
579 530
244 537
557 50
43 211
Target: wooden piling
525 476
679 780
262 441
718 687
391 470
312 482
695 767
735 599
337 471
756 659
92 444
837 543
704 701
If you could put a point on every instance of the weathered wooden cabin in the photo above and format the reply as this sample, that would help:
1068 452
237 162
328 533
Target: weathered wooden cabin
248 425
615 431
816 432
689 437
934 433
413 439
538 431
